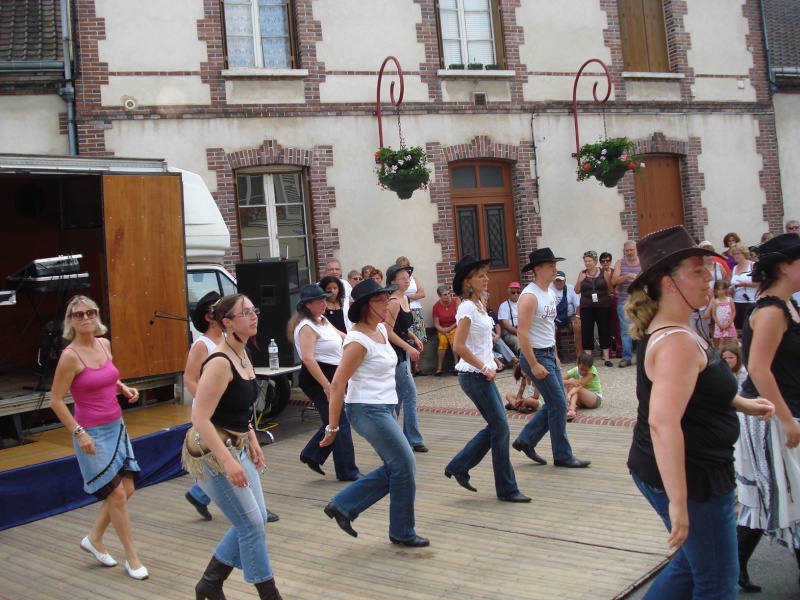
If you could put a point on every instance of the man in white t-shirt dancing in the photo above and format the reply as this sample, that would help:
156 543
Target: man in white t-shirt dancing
537 339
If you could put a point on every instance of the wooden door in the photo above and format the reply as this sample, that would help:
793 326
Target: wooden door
483 214
145 262
659 197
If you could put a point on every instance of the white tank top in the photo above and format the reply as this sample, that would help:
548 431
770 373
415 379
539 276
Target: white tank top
543 327
373 380
208 342
328 348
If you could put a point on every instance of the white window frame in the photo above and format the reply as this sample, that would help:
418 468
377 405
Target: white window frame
258 51
462 29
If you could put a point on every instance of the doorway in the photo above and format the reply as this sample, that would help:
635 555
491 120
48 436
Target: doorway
659 196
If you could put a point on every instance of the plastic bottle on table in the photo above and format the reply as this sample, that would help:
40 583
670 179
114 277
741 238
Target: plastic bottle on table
273 355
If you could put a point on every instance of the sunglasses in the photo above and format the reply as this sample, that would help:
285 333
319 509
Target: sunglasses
81 314
515 292
793 228
358 278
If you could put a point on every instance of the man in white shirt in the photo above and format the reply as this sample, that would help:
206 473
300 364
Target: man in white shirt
567 304
537 338
507 317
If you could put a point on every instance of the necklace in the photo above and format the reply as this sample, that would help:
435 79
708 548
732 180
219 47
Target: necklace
243 356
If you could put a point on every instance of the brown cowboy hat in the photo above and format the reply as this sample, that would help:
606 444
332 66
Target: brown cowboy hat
662 248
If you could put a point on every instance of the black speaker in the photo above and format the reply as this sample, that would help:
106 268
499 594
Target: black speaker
274 287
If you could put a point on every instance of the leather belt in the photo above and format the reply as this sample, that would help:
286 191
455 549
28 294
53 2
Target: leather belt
550 349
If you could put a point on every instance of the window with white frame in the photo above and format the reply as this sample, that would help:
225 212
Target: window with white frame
470 32
258 34
273 218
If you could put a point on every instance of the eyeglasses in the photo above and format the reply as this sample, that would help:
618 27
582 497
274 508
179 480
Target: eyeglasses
514 292
247 312
79 315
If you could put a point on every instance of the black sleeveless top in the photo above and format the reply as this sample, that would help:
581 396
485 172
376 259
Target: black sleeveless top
594 285
336 318
785 364
402 324
710 428
235 408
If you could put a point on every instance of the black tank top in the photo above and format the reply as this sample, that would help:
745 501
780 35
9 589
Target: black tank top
710 428
234 410
784 365
402 324
594 285
336 318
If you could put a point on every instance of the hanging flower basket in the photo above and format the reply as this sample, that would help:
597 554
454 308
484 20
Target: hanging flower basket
608 161
402 171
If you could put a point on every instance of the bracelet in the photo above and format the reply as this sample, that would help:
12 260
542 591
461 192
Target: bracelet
78 431
329 431
487 367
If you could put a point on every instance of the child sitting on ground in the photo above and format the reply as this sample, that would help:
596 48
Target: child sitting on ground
733 356
519 401
583 386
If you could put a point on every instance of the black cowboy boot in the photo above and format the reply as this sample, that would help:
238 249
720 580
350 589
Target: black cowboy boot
797 556
267 590
210 586
748 540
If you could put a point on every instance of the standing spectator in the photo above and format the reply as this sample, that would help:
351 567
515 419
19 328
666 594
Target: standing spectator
102 447
319 346
444 320
333 268
507 313
367 373
407 347
744 290
594 286
354 278
476 375
728 241
732 354
537 337
682 451
723 312
567 304
767 457
415 293
377 275
334 302
720 271
366 271
616 339
625 271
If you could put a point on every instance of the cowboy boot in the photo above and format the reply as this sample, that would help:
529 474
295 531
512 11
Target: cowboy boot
210 586
267 590
748 540
797 556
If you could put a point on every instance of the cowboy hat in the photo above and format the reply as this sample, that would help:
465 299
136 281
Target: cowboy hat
540 256
361 295
785 246
202 309
462 269
311 292
394 269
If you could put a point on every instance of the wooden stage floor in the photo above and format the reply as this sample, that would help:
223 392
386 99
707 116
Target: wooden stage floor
588 533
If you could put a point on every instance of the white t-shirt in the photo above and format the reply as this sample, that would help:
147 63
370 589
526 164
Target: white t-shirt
373 380
479 338
412 289
508 312
543 325
748 288
573 300
328 348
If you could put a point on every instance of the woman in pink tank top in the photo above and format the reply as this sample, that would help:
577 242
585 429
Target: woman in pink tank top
102 446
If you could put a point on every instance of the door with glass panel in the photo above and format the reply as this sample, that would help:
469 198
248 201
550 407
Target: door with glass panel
483 215
273 218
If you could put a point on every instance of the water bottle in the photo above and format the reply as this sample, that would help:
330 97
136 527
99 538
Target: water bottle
273 355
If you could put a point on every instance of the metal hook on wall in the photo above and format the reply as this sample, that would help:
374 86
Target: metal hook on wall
396 103
594 94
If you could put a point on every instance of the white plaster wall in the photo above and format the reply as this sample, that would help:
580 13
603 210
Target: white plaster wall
461 90
648 91
29 125
382 28
787 124
717 29
151 35
267 91
363 88
722 90
155 91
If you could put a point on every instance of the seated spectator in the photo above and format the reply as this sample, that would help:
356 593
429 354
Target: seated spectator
502 353
567 303
526 400
444 320
583 386
507 314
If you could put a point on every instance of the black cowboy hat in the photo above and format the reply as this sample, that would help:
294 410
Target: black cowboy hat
361 295
462 269
665 247
202 309
311 292
540 256
785 246
393 270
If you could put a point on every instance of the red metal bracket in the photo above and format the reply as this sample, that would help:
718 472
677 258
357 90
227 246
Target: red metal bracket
396 102
594 94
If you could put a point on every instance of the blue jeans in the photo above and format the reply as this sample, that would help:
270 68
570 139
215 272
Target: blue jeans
501 348
344 455
707 565
494 436
198 494
627 343
553 415
245 544
407 400
377 424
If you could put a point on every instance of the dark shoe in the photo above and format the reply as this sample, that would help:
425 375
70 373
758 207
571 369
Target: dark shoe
355 477
438 373
210 586
608 363
420 448
461 479
529 451
518 497
312 465
624 363
747 540
267 590
415 542
421 374
745 583
272 517
199 507
342 521
572 463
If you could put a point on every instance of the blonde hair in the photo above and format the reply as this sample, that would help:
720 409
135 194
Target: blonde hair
69 330
402 261
738 247
466 290
642 304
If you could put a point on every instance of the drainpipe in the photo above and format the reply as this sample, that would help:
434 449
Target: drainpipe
770 74
68 91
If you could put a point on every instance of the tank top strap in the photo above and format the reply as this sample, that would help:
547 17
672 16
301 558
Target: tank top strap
80 358
104 349
676 329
